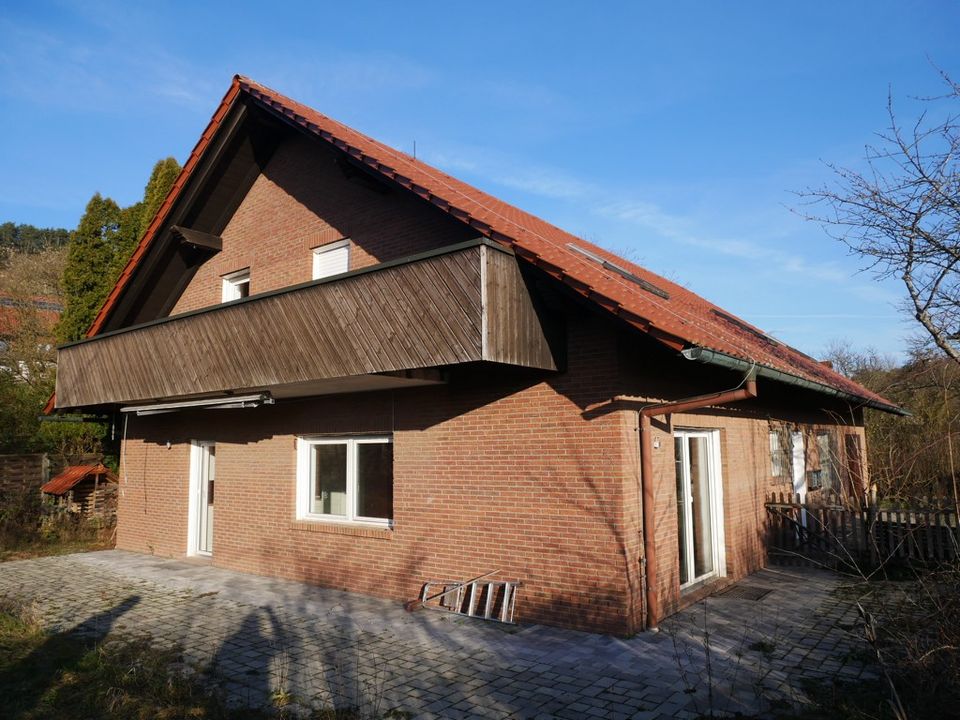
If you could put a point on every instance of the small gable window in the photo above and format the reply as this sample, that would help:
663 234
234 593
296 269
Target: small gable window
331 259
236 285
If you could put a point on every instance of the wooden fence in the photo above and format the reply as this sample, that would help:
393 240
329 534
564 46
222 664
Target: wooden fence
18 472
827 532
21 472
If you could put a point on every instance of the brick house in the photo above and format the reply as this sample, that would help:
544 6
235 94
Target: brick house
389 376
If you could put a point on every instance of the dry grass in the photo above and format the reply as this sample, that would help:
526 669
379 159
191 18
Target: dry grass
29 529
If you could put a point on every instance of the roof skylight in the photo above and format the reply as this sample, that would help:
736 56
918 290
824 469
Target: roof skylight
623 272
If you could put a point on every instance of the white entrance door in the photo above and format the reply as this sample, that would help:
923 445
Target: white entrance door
699 505
202 478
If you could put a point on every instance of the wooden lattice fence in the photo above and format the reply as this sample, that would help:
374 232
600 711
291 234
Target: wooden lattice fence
828 532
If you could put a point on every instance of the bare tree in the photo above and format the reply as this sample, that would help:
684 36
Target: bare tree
902 213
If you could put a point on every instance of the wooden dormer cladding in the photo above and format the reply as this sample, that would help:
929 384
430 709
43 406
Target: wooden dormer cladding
464 304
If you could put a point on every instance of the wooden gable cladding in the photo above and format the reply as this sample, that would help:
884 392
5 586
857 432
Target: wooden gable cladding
464 303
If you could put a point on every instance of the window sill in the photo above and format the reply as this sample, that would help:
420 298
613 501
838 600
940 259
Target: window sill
335 528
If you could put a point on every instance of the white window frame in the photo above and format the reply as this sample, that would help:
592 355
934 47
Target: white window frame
717 517
305 479
193 503
318 252
777 455
231 285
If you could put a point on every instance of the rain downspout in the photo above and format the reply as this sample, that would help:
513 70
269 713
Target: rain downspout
747 389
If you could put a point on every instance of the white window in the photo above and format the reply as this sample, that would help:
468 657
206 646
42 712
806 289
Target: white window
345 479
776 455
825 451
331 259
236 285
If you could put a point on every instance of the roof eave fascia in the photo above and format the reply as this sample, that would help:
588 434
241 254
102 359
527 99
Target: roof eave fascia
153 230
707 356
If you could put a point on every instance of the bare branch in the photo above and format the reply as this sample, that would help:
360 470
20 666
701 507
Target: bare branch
902 214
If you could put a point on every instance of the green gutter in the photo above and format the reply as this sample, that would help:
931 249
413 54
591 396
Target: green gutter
719 359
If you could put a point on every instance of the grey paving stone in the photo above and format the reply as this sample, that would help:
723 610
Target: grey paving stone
333 647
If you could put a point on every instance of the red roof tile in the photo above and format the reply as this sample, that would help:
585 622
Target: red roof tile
74 474
12 309
680 320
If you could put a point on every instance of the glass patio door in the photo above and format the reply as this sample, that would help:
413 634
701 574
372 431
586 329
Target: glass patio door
699 514
201 504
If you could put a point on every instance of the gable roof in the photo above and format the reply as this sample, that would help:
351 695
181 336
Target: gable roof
666 311
74 474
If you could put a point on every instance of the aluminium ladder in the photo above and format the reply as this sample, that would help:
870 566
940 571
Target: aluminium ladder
485 599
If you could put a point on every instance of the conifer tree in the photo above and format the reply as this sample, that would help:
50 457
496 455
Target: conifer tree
88 274
164 174
101 247
136 218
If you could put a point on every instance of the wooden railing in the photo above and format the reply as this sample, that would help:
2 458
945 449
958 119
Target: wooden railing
831 533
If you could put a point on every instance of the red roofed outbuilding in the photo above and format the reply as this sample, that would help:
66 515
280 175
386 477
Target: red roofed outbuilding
89 490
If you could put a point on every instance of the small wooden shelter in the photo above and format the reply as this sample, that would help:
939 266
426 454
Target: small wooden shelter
89 490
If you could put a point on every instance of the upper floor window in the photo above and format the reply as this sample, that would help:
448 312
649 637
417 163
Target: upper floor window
236 285
331 259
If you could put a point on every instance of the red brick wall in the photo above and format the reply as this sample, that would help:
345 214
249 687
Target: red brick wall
302 200
493 471
152 499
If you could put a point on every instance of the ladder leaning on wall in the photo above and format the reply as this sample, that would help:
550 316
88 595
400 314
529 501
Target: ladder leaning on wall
479 597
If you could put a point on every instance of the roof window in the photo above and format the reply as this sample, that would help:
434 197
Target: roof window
623 272
741 325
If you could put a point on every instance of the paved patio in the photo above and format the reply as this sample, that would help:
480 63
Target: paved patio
256 635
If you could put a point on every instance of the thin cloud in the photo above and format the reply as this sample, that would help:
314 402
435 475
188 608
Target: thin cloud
497 168
551 183
45 69
682 230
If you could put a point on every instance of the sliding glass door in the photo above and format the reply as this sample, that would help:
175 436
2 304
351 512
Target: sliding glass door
699 505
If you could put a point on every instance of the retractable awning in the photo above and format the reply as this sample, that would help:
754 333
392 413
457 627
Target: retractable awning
228 402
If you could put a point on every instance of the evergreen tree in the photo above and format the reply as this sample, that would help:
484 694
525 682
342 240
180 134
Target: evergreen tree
102 246
136 218
30 239
88 275
164 174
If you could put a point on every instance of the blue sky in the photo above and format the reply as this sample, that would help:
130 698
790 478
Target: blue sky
674 133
